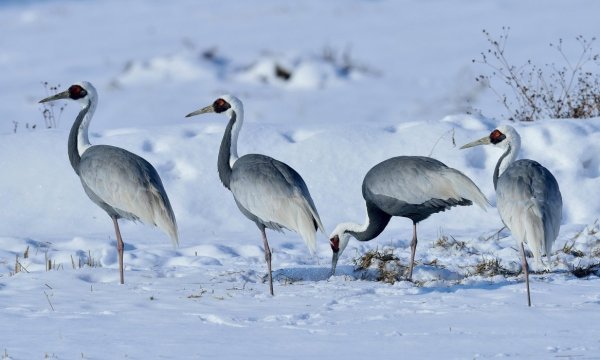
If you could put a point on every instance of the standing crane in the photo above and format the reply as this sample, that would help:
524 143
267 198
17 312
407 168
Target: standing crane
266 191
413 187
528 197
118 181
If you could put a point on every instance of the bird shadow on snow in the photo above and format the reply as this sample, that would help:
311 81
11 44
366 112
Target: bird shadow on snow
126 245
476 285
302 274
462 282
349 273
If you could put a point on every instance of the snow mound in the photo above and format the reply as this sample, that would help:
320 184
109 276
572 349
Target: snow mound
299 72
175 68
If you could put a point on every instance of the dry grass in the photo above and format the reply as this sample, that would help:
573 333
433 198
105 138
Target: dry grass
18 264
388 266
89 261
585 271
449 242
198 294
51 264
590 231
50 114
492 267
569 249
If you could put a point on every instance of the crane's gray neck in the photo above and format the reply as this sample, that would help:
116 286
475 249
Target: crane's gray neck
225 152
506 159
376 222
78 136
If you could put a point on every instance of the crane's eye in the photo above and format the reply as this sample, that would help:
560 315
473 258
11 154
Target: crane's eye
77 92
221 105
497 136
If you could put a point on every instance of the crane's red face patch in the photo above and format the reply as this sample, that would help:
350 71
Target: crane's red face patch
497 136
335 243
77 92
221 105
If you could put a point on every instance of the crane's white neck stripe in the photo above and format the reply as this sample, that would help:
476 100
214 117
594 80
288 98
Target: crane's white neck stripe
350 226
83 141
238 113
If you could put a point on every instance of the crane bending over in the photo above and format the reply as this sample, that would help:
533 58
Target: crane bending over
528 197
413 187
266 191
120 182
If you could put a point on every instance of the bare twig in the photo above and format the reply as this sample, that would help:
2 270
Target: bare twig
557 91
48 298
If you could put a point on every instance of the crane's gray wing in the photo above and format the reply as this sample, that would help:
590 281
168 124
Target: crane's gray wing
128 184
275 193
420 180
530 204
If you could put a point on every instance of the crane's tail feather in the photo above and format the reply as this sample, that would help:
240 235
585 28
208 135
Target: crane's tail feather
306 222
163 216
534 233
527 227
466 189
316 220
551 220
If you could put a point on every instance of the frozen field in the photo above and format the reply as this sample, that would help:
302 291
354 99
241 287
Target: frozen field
368 80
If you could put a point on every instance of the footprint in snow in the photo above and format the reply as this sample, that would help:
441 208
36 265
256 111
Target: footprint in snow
297 136
217 320
166 167
390 129
590 164
147 146
86 278
189 133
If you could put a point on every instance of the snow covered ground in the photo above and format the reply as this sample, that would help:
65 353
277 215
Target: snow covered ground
404 93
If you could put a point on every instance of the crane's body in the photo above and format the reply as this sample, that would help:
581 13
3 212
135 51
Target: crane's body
123 184
274 196
528 198
126 186
267 191
530 205
413 187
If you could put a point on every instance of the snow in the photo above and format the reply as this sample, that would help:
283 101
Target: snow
155 61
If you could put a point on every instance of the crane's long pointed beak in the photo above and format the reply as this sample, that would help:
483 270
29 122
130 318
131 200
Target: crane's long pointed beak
334 260
61 95
204 110
483 141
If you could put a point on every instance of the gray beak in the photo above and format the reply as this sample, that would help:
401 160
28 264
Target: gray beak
204 110
334 260
61 95
483 141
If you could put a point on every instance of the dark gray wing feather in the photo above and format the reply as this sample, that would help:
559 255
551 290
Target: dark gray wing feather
416 187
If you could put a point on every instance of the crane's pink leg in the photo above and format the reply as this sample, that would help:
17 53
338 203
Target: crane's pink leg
268 258
120 247
413 250
526 270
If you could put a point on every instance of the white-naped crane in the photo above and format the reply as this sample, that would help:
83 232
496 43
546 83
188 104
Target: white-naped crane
267 191
528 197
123 184
413 187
